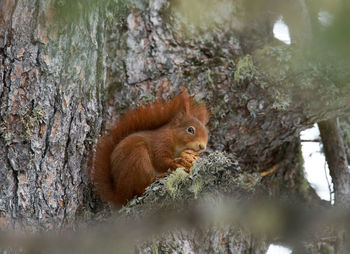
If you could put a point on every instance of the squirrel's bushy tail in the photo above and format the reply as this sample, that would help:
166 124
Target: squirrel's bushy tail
147 117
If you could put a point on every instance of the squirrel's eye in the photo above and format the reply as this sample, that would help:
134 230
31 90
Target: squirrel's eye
190 130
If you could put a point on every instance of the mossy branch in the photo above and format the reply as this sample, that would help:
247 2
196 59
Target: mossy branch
210 177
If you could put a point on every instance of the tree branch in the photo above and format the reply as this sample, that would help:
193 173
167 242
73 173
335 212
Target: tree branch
336 157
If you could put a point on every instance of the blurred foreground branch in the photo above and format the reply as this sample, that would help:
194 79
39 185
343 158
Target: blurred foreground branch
217 208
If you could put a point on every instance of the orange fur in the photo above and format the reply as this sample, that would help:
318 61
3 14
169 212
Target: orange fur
144 143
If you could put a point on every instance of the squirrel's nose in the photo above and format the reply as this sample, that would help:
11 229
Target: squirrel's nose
201 147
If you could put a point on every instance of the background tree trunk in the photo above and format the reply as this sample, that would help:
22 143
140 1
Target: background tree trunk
335 151
67 69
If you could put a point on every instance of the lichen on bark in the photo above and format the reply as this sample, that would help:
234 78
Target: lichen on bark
179 187
212 180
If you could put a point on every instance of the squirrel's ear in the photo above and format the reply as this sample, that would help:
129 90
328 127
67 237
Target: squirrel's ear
186 100
187 107
179 117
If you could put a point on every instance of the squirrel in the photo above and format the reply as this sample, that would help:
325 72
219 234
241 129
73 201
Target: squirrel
145 143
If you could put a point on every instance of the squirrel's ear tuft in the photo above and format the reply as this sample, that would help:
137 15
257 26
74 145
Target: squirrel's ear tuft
179 118
187 107
201 113
186 100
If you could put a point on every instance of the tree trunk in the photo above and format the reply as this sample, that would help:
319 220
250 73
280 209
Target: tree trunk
51 81
67 69
335 152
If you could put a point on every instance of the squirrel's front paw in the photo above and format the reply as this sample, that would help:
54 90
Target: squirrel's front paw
182 163
189 155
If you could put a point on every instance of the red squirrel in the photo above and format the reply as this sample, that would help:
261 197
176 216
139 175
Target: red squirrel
145 143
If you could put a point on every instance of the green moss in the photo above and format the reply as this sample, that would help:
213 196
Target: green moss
30 120
217 173
173 181
197 186
244 69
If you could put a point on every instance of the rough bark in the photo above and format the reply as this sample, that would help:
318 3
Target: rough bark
336 157
334 149
63 80
51 80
